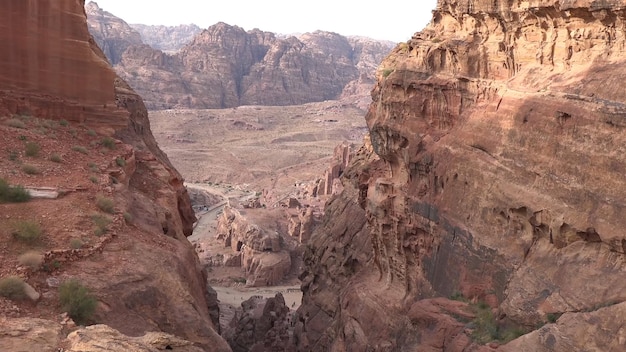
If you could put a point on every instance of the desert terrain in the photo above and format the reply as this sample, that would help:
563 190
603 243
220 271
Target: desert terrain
270 153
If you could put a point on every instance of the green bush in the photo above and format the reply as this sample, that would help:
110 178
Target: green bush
55 158
12 194
128 217
12 287
121 162
105 204
76 243
80 149
77 301
32 149
16 123
27 231
30 169
64 123
92 133
108 142
93 179
387 72
102 224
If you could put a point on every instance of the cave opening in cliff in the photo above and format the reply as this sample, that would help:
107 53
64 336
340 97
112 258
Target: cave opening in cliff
239 245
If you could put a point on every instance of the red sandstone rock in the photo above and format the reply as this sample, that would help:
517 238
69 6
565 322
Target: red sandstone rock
498 174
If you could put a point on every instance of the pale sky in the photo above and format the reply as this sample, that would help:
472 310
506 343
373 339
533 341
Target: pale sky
394 20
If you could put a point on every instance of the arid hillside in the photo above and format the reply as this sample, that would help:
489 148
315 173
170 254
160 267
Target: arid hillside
94 217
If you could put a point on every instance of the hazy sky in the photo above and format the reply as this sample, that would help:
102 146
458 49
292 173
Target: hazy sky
394 20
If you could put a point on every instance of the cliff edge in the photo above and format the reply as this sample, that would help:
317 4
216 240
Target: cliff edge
95 152
486 210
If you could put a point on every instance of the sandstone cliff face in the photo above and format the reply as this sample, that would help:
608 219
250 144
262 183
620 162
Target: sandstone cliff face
167 38
497 176
111 33
226 66
145 276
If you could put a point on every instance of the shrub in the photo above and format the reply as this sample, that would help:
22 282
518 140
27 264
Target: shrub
16 123
93 179
76 243
30 169
32 149
387 72
77 301
121 162
55 158
64 123
102 224
12 287
27 231
93 167
31 259
108 142
92 133
128 217
80 149
13 155
12 194
105 204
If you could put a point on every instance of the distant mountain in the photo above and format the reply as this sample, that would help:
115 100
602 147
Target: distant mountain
112 34
225 66
167 38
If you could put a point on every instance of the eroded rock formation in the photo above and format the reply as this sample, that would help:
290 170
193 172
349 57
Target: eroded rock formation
168 39
261 249
226 66
494 173
146 277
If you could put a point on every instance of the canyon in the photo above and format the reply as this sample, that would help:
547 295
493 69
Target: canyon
479 206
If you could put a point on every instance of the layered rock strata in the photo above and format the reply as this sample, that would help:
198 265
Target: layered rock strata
494 173
146 277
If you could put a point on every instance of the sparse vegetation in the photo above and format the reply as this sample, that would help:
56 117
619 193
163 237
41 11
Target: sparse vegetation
55 158
93 167
93 179
27 231
486 329
76 243
553 317
31 169
92 133
108 142
102 224
13 155
32 149
31 259
12 194
64 123
128 217
12 287
121 162
77 301
387 72
80 149
105 204
16 123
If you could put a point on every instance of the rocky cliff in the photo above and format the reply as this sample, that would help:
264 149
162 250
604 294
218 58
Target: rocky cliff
58 92
168 39
493 175
226 66
111 33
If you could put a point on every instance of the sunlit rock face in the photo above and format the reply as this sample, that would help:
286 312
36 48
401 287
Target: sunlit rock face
493 172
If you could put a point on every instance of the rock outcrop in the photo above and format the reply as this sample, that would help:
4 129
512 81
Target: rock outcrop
146 277
111 33
30 334
260 249
225 66
263 324
494 173
168 39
